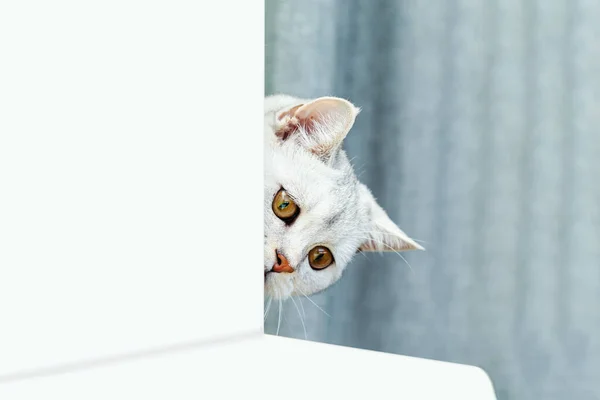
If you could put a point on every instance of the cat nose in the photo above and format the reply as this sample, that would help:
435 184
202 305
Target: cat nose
282 264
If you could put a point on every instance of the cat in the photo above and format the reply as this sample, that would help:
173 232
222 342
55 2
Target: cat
318 215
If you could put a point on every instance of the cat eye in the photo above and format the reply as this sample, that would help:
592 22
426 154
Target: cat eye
284 207
320 257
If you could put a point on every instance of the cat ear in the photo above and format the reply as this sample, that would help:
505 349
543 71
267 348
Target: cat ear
320 125
383 234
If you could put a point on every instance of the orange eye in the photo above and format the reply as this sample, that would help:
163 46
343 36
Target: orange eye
320 257
284 206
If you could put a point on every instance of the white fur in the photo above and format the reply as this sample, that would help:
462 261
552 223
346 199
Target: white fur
323 184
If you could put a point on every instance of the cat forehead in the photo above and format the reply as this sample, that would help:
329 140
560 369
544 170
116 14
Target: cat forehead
330 209
303 173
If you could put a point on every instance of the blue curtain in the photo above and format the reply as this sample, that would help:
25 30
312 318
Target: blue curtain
480 135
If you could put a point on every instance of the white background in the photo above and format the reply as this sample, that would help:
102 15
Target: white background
130 170
131 197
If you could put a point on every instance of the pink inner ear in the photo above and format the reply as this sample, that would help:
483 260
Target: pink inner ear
302 115
331 118
290 126
289 113
286 130
318 109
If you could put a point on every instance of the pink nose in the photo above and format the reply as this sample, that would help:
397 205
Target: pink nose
282 264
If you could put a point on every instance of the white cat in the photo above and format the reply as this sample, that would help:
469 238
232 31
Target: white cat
317 214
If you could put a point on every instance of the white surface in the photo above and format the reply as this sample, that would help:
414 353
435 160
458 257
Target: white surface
128 182
265 366
120 180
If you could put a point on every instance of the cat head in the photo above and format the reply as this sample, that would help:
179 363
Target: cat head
317 214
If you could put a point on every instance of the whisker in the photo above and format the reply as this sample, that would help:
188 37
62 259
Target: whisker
301 320
268 308
392 234
285 320
279 319
316 305
388 246
302 306
411 270
364 255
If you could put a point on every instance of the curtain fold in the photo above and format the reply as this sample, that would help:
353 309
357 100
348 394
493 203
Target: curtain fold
479 134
